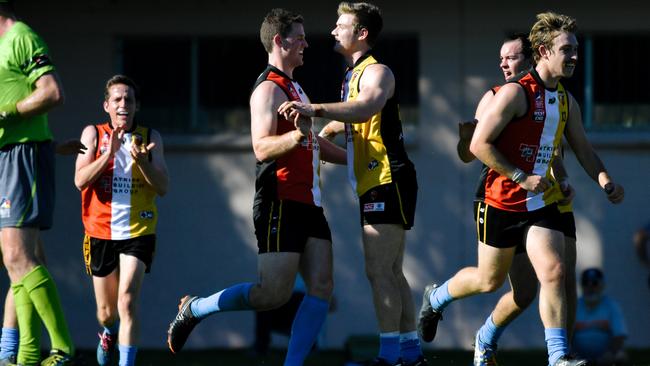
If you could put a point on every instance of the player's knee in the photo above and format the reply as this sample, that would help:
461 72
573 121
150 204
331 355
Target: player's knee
322 288
106 315
273 298
376 272
553 274
126 305
490 284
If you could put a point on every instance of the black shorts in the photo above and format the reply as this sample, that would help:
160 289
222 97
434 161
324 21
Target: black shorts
392 203
568 224
506 229
27 185
101 256
285 226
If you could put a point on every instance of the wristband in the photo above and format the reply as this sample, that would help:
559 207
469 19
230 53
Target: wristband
518 176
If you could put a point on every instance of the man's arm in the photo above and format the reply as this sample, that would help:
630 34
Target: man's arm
508 103
591 163
332 129
264 104
47 95
87 168
154 171
331 152
375 88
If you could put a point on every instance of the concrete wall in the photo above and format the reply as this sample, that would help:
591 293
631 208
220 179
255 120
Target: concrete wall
206 239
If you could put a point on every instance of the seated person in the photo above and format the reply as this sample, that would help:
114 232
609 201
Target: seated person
600 328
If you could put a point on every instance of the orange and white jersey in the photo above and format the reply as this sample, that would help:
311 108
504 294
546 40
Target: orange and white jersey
529 143
119 204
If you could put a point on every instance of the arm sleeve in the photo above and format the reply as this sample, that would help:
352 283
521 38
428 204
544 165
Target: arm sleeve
32 56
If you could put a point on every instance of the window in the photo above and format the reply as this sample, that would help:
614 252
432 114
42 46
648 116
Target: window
201 85
619 79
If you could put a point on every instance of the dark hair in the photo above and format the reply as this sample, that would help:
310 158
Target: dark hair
592 275
368 16
277 21
526 48
7 8
122 79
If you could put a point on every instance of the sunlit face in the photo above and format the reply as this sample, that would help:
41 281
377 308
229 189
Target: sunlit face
344 33
121 105
511 59
563 57
294 44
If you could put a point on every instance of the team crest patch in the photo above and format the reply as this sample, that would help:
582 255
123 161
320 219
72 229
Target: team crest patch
373 165
5 208
374 207
106 140
146 215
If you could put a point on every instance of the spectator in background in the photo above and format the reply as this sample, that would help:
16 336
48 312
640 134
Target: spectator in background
600 328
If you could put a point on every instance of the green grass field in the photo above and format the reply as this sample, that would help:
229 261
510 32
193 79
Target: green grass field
221 357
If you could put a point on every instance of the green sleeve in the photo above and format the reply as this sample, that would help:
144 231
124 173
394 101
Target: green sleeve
32 56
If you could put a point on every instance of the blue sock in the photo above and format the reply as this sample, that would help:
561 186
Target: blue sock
440 298
127 355
111 329
389 347
231 299
306 325
489 333
556 343
409 345
8 343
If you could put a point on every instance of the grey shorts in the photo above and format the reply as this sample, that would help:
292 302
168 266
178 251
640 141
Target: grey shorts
27 185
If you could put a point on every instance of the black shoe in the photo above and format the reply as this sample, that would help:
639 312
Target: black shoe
421 361
181 327
428 320
569 361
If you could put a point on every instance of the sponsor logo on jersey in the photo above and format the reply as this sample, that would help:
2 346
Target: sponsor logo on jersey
373 164
539 100
146 215
539 115
106 139
5 208
374 207
528 152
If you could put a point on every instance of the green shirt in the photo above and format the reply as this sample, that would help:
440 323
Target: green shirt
23 59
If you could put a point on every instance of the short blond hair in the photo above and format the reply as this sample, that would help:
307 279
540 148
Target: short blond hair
368 16
548 26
